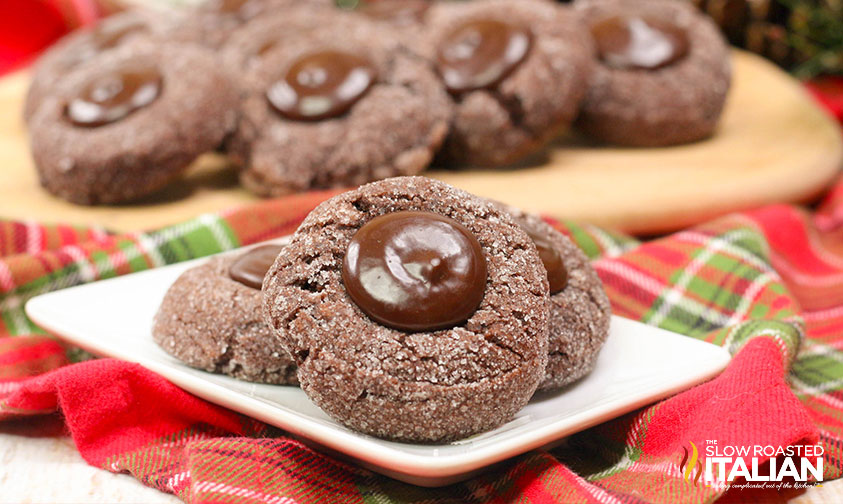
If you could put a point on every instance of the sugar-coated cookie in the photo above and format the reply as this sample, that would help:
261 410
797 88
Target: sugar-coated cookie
517 72
322 110
84 44
579 309
211 319
128 121
662 72
212 22
415 311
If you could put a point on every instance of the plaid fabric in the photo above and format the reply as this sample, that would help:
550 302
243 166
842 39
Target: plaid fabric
766 284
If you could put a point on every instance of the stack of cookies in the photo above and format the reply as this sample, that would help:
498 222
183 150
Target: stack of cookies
302 94
406 309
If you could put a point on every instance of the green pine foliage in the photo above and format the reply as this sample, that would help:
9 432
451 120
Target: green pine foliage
815 32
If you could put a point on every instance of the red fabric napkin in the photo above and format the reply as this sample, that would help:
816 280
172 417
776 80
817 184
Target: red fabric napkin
114 410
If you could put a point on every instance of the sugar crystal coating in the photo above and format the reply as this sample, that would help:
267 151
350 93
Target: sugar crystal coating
212 322
194 110
579 313
422 386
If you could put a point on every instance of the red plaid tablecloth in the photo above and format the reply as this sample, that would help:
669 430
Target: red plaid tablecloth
767 284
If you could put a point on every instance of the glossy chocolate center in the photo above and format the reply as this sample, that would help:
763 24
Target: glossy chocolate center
479 54
415 271
114 95
250 268
639 43
557 275
321 85
399 12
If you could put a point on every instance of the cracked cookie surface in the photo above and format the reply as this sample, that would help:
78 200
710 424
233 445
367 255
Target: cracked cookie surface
579 313
502 124
412 386
211 322
392 129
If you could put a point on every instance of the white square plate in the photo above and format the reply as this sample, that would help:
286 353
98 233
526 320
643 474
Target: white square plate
638 365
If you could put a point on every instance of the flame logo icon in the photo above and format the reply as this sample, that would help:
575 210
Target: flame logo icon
687 465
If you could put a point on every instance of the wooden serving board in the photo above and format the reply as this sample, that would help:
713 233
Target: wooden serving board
774 144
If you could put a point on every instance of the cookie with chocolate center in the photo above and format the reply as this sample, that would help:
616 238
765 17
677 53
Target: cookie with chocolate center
516 72
415 311
84 44
211 319
579 309
129 120
662 72
324 111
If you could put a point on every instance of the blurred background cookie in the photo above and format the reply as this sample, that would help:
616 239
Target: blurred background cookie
662 72
127 121
516 71
415 311
399 13
213 21
247 45
211 319
322 110
85 44
408 17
